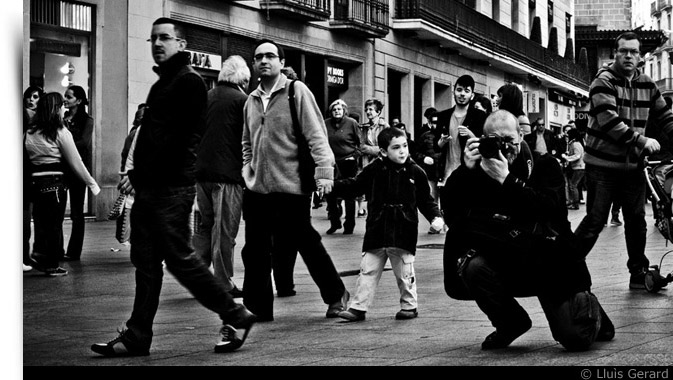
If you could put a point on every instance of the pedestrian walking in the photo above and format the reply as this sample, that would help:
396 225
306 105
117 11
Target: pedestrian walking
219 186
81 125
277 202
50 152
625 104
163 179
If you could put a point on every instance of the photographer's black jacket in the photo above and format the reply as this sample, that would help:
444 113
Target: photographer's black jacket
471 196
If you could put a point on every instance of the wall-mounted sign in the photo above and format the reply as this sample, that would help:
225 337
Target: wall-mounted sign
533 101
560 114
205 60
336 76
56 47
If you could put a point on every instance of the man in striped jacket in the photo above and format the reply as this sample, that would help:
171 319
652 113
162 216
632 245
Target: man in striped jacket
622 102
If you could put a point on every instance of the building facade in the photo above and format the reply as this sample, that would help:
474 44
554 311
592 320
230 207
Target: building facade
407 53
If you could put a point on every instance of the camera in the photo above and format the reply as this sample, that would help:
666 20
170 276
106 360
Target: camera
490 145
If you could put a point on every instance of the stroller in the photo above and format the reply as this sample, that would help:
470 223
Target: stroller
659 176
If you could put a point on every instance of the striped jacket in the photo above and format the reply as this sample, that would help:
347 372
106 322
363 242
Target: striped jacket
618 114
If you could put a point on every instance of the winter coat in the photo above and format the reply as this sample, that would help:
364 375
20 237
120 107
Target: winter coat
219 157
172 126
395 194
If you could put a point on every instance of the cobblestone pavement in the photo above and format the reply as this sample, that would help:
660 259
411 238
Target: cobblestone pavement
63 316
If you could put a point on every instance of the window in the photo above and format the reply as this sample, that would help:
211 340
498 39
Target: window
496 10
515 14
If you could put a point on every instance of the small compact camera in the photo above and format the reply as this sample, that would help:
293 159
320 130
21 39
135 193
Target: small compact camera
490 145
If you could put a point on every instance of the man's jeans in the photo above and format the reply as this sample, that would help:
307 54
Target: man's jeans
160 231
627 188
282 222
219 205
371 268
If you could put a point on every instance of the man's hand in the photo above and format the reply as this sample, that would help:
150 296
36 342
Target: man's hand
464 131
125 185
652 145
428 161
496 168
472 155
324 185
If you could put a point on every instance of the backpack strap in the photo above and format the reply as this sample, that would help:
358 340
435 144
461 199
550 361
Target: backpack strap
293 109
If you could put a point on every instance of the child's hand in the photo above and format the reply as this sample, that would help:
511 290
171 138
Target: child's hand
438 224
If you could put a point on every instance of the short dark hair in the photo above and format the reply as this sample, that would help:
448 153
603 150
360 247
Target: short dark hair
465 81
429 112
29 91
387 135
627 36
375 102
281 52
177 26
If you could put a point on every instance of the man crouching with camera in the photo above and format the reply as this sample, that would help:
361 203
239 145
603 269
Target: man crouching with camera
509 236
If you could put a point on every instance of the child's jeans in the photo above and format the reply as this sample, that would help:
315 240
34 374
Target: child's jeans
371 268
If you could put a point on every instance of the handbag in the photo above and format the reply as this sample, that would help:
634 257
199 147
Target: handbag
306 162
117 207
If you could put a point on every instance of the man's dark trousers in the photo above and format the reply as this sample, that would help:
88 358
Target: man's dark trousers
282 222
160 231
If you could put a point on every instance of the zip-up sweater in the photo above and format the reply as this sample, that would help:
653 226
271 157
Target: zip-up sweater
270 145
618 115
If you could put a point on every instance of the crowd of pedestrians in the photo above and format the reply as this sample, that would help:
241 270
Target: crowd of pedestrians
480 172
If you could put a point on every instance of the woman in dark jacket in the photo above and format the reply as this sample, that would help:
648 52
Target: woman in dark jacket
81 126
344 139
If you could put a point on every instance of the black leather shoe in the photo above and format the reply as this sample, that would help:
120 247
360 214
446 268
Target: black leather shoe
286 293
120 346
231 339
236 293
70 258
502 338
333 229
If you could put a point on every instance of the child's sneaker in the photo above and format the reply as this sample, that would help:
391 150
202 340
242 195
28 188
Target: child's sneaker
56 272
352 315
406 314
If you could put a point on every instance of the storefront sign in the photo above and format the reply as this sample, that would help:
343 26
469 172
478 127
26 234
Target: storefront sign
533 102
205 60
56 47
336 76
560 114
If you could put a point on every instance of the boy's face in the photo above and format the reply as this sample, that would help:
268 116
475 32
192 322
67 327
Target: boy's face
398 150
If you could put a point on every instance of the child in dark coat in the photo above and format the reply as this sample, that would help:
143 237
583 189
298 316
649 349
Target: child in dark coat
397 188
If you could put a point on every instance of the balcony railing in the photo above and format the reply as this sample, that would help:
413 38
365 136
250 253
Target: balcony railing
307 10
665 85
483 31
664 4
368 18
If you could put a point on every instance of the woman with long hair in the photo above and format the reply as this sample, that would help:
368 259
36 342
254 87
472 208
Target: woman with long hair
510 98
81 126
50 151
30 98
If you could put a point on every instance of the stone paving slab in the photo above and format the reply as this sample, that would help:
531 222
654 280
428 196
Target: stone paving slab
63 316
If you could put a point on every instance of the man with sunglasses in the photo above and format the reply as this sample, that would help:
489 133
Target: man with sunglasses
163 179
626 107
509 236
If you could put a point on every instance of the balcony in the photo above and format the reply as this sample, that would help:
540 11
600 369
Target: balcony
665 85
364 18
664 4
305 10
464 31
